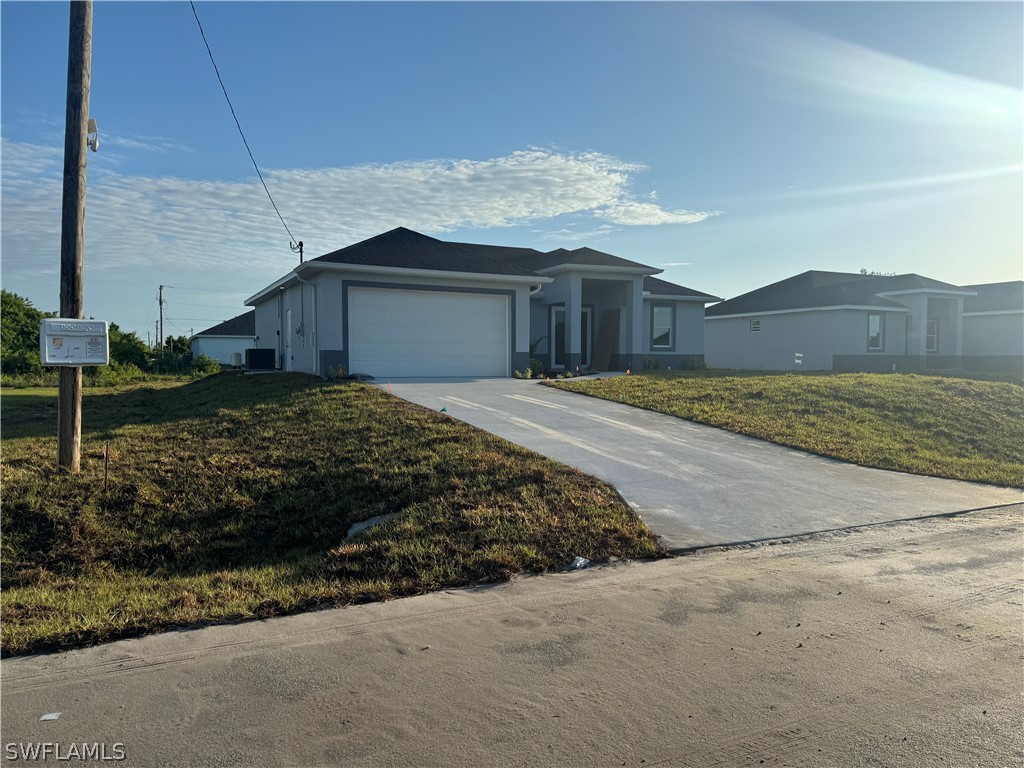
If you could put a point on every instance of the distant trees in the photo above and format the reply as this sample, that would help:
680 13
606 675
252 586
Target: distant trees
128 348
130 357
873 273
19 334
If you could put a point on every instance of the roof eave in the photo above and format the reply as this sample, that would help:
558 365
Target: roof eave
559 268
946 291
677 297
994 312
413 272
282 282
858 307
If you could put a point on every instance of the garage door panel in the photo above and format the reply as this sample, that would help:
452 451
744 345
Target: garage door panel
395 333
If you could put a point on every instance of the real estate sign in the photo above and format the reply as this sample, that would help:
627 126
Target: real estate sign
71 342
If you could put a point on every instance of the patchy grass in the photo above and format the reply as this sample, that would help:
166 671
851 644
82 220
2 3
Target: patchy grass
230 498
945 427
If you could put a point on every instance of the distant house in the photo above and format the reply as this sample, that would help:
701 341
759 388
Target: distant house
994 327
403 304
843 322
219 342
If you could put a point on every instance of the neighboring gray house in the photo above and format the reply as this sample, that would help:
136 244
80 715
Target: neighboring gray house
403 304
994 327
840 321
219 342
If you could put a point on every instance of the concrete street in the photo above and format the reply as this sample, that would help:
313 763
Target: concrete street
894 645
694 484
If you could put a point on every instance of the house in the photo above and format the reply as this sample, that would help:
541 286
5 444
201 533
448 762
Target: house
219 342
403 304
994 327
842 322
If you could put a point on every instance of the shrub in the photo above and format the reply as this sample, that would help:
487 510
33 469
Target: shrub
111 375
204 365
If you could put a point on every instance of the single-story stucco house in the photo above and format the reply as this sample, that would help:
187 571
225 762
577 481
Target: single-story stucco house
840 321
219 342
403 304
994 327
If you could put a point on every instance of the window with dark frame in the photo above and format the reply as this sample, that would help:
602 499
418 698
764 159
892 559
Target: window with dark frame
661 326
876 332
931 336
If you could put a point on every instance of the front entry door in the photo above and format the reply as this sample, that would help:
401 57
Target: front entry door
586 337
558 337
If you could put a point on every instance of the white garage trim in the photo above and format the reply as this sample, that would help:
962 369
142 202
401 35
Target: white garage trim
396 333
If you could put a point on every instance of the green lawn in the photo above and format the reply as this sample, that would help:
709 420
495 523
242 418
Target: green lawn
230 498
929 425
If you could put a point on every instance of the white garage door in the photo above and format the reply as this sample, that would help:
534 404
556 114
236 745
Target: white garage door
397 333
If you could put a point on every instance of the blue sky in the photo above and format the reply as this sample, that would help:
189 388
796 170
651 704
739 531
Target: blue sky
731 144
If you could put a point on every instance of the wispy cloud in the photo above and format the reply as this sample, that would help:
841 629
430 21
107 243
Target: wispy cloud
635 213
143 221
907 185
571 235
676 264
852 77
143 143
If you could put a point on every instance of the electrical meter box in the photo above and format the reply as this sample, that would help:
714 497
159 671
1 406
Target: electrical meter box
66 341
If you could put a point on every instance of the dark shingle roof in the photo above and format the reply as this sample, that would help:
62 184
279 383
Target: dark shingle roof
823 289
593 257
243 325
533 260
524 258
406 249
995 297
908 282
665 288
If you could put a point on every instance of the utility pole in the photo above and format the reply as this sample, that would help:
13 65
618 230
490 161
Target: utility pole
162 316
156 330
72 226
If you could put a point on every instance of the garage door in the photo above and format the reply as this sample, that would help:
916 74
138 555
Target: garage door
398 333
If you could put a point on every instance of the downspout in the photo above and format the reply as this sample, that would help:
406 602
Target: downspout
302 311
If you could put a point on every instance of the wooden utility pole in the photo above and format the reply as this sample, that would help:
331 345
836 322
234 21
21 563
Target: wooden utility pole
72 227
162 316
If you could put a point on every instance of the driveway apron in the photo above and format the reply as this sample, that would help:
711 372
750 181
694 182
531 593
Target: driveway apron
692 484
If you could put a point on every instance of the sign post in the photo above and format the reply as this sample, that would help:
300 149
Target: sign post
76 128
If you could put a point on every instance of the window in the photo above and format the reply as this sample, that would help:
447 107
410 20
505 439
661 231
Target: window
661 326
876 331
931 336
755 326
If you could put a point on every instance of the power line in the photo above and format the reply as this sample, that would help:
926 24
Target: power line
211 290
210 306
254 165
192 320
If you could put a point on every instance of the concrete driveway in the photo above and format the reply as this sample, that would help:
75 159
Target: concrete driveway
692 484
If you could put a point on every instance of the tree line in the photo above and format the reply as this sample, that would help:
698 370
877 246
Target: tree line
19 347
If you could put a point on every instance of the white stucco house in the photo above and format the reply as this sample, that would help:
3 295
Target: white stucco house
994 327
219 342
843 322
403 304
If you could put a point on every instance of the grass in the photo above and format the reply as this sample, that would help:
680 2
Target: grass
928 425
230 498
